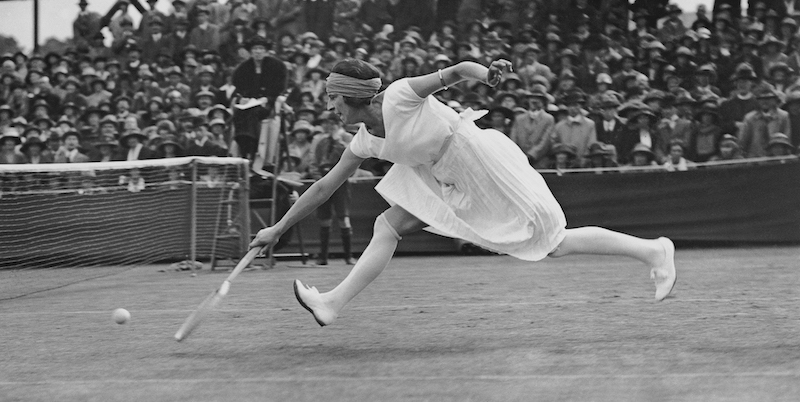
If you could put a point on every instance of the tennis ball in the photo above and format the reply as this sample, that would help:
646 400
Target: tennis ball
121 316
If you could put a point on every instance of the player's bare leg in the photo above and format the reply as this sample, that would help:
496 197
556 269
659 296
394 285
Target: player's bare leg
658 254
388 229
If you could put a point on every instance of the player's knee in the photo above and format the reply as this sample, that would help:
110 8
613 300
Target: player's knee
325 223
382 227
344 223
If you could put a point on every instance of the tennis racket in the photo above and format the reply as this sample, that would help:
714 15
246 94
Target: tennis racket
214 298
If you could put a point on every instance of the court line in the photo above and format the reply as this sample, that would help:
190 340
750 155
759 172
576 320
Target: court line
414 306
305 378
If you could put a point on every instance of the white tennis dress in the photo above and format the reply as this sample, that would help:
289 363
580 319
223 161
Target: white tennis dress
462 181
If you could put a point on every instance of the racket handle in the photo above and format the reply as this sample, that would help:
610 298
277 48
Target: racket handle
243 263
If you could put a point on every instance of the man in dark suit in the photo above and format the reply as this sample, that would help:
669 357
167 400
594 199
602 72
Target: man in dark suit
610 128
179 38
260 76
156 42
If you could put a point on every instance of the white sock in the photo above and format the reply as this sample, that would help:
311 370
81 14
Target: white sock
371 263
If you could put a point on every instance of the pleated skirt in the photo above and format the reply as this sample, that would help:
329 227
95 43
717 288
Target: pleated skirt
482 190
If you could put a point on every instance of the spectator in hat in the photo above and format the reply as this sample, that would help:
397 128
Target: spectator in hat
234 42
205 35
703 78
741 102
300 146
672 27
326 151
781 77
677 120
179 37
35 151
728 149
532 130
642 130
106 149
576 129
748 54
261 76
204 144
611 128
564 156
155 42
601 156
772 53
8 148
205 82
780 145
99 93
641 155
500 119
170 147
133 148
760 124
531 66
70 152
792 107
6 116
675 161
219 133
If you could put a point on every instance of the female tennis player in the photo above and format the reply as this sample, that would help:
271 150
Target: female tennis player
449 177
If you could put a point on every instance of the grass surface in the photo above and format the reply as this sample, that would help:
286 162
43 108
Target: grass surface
429 328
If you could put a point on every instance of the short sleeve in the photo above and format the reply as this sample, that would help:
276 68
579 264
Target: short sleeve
400 95
362 144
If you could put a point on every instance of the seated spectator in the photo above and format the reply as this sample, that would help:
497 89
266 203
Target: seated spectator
170 148
576 129
641 130
71 151
533 129
676 161
780 145
8 148
133 146
728 149
705 136
35 151
641 155
564 157
204 145
500 119
760 124
601 156
300 146
106 149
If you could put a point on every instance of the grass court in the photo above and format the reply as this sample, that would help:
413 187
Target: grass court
430 328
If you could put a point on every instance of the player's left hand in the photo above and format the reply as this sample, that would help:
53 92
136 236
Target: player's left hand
496 70
265 237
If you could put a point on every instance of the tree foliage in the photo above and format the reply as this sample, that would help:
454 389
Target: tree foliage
8 44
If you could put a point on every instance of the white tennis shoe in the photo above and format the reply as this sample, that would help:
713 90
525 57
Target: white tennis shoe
311 300
665 276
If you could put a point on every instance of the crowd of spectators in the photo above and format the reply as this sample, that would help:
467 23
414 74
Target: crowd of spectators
596 83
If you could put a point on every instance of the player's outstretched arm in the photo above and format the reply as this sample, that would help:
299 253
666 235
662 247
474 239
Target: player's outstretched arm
464 71
318 193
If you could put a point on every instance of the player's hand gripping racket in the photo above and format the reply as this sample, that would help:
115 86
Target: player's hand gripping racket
214 298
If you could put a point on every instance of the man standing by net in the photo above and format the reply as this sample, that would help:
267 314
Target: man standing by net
326 152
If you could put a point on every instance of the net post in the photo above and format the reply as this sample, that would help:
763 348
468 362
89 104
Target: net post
244 200
193 217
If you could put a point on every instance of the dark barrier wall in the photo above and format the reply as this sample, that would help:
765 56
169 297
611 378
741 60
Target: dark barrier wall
757 203
737 203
